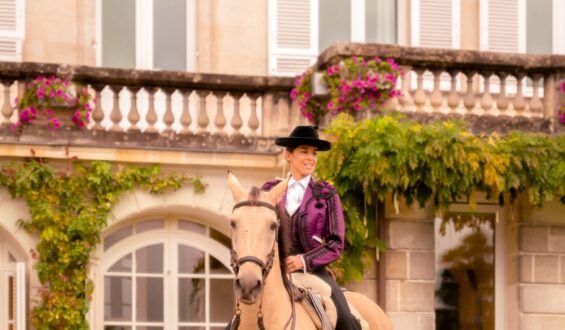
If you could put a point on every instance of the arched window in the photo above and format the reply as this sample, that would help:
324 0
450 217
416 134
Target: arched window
12 286
165 274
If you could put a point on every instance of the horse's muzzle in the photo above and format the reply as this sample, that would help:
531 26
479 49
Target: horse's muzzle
248 288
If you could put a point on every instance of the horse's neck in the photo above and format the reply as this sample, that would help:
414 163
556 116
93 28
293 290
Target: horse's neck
276 302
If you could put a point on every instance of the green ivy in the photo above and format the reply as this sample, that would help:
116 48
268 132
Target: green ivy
442 162
69 208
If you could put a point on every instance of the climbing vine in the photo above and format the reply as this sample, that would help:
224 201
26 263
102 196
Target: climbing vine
440 162
69 207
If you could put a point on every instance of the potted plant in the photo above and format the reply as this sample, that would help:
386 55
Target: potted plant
53 102
356 84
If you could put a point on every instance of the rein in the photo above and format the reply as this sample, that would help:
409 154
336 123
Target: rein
265 268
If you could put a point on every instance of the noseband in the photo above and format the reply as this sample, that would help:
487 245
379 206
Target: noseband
265 266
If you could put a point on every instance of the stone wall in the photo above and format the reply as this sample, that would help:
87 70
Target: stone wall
410 267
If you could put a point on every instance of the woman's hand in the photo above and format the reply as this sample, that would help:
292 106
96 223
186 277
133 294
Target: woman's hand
294 263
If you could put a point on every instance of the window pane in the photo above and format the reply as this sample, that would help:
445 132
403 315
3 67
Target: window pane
150 299
191 260
216 267
117 236
169 34
192 226
221 293
149 225
118 33
380 21
117 298
117 327
141 327
191 300
223 239
150 259
122 265
539 26
11 298
465 272
335 22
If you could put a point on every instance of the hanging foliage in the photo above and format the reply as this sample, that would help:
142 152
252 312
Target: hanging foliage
442 162
69 209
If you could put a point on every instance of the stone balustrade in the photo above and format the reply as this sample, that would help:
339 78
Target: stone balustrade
166 109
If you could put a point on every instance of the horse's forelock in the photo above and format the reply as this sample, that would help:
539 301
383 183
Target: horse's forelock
254 194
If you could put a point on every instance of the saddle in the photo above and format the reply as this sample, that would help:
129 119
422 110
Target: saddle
315 295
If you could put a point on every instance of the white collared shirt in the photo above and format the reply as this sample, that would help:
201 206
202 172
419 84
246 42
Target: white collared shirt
295 193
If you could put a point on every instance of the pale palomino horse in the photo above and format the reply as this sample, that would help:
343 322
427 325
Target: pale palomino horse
259 285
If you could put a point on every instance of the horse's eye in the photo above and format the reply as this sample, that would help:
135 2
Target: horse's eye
232 224
274 226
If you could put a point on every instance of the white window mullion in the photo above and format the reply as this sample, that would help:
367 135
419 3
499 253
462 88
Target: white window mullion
415 23
358 20
401 22
144 34
558 27
191 36
521 26
483 25
456 24
20 296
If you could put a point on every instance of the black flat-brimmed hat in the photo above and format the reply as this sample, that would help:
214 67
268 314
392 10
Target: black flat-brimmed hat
304 135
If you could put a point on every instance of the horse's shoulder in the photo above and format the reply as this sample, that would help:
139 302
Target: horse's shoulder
270 184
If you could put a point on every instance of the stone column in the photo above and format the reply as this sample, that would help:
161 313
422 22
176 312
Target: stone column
410 267
541 282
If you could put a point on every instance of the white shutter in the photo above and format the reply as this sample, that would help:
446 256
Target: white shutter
500 26
293 35
436 23
11 29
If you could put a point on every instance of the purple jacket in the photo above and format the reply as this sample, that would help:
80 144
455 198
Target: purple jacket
320 218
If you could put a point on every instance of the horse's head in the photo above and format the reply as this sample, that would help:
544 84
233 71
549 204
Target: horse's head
254 224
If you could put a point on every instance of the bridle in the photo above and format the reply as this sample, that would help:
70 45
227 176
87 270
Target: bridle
265 266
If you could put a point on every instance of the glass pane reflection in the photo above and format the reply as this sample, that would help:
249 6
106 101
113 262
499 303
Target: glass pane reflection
150 293
117 298
122 265
221 293
191 260
192 300
465 272
150 259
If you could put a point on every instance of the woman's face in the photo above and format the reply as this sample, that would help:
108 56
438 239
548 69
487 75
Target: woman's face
302 161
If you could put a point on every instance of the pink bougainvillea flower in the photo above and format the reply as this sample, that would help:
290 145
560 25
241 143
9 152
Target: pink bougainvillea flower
331 105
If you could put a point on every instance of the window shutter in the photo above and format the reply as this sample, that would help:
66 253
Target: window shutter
20 296
435 23
11 29
293 35
501 33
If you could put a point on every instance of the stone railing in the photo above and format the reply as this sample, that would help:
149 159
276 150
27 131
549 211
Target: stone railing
501 91
137 108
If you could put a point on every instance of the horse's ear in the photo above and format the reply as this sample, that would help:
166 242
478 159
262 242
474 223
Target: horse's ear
276 192
236 189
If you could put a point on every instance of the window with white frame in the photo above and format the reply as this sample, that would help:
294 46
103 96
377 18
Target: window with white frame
300 29
165 274
147 34
12 287
11 29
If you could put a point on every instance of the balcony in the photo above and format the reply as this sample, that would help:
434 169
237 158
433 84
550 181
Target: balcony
199 113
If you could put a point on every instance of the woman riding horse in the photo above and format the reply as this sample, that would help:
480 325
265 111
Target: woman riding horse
312 214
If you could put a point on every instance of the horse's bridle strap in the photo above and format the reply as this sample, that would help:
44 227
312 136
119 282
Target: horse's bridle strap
255 203
251 259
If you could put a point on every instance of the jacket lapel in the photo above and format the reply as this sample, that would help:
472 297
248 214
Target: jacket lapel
307 196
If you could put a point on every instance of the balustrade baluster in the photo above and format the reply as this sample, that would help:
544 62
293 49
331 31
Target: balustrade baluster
502 102
185 119
98 113
436 99
470 100
405 99
168 117
7 109
453 100
133 115
486 100
220 119
420 95
236 121
253 122
536 106
116 114
151 116
203 119
519 101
